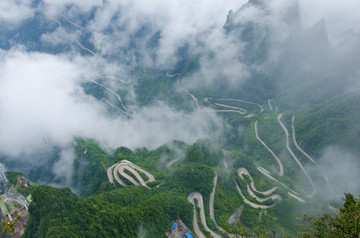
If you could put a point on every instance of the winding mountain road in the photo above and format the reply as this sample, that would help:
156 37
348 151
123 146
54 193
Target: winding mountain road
243 171
238 109
172 162
111 91
211 208
71 22
281 168
259 199
129 80
244 101
194 98
252 188
171 75
93 53
270 105
191 198
84 48
127 165
267 174
296 197
109 173
122 111
254 205
241 110
294 156
306 154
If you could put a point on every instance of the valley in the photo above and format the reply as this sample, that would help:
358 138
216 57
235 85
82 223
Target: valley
213 119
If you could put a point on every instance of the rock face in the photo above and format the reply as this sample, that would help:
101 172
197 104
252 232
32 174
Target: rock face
21 223
23 182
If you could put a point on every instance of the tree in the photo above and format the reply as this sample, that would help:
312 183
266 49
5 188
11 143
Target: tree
8 225
344 224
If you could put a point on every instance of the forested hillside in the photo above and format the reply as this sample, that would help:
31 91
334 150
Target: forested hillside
117 118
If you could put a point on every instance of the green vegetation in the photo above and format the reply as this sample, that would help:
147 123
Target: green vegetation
8 226
89 167
191 177
333 122
203 152
60 213
345 223
22 185
154 210
13 177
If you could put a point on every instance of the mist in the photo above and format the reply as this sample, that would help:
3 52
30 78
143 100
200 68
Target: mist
342 169
43 105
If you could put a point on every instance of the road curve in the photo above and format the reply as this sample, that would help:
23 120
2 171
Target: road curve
281 168
111 91
84 48
149 175
172 162
242 171
194 98
296 197
306 154
294 156
241 110
267 174
119 170
71 22
234 109
252 188
259 199
244 101
117 178
191 198
230 111
211 208
109 173
171 75
254 205
270 106
129 80
122 111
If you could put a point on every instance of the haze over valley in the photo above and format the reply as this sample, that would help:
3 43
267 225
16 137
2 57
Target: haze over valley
236 117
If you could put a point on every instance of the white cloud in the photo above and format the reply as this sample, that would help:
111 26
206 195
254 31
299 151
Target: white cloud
179 21
342 169
60 36
84 5
15 11
41 98
61 167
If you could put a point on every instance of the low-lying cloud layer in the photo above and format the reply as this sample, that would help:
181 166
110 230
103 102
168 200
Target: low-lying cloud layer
42 99
342 169
43 104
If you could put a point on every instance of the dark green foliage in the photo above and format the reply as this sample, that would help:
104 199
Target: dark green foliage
89 167
346 223
204 152
120 213
332 122
13 177
26 191
249 216
191 177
